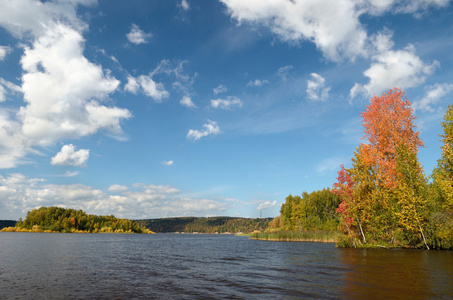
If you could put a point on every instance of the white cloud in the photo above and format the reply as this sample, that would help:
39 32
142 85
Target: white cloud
432 95
401 68
229 103
283 72
317 20
266 204
209 128
167 163
257 82
316 89
187 102
70 174
33 18
116 188
21 194
4 50
131 85
184 5
155 90
13 145
220 89
69 157
10 86
62 89
137 36
2 93
416 7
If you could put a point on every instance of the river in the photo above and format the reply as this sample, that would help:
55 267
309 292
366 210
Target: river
177 266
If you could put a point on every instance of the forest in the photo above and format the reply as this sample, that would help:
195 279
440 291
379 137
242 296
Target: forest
205 225
315 211
58 219
384 199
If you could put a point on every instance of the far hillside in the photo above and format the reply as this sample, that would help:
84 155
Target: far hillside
205 225
7 223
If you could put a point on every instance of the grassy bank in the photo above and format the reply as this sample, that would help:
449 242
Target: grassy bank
298 236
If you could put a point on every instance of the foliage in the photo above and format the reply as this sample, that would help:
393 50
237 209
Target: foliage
441 191
58 219
205 225
385 197
314 211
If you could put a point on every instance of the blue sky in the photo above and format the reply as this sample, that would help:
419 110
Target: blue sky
149 109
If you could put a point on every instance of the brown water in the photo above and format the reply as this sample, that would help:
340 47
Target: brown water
169 266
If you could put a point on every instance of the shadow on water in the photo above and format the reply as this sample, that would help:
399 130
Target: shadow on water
400 274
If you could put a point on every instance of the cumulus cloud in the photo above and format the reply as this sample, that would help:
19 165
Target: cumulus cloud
137 36
68 156
167 163
390 68
317 21
32 18
187 102
228 103
220 89
316 89
266 204
4 50
63 91
257 82
209 128
21 194
432 95
59 98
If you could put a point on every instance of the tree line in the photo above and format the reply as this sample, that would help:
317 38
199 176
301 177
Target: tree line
313 211
58 219
205 225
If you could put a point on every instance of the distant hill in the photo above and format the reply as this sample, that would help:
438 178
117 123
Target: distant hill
205 225
7 223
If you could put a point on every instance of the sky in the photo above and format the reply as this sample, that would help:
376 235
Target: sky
167 108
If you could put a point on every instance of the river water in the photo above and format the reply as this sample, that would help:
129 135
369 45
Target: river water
175 266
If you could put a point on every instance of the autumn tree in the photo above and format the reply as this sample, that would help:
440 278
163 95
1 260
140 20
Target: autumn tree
372 196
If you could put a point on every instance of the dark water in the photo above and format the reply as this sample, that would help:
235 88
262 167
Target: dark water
167 266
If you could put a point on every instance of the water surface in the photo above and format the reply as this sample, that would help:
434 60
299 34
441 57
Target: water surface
170 266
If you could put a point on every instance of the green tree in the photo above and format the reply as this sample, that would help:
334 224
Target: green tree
441 191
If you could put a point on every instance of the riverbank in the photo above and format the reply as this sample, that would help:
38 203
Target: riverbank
36 228
298 236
